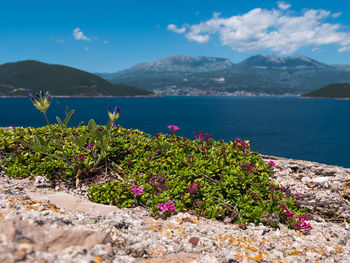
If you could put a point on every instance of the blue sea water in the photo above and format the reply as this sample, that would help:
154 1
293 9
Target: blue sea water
292 127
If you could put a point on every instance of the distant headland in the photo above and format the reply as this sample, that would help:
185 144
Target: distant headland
19 78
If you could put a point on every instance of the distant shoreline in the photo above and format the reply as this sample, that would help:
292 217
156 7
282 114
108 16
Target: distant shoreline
160 96
60 96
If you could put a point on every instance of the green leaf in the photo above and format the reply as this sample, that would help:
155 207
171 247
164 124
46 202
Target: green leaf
92 126
69 115
59 121
105 143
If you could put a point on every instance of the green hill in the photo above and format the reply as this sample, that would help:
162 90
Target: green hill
19 78
337 90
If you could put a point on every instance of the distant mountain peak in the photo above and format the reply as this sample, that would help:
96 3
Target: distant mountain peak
183 63
275 58
272 61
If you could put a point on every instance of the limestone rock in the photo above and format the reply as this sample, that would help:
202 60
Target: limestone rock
45 238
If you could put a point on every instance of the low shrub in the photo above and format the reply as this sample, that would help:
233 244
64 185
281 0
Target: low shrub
164 173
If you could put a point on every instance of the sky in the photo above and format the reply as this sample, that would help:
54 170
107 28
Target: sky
108 36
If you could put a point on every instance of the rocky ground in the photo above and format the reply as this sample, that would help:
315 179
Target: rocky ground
42 223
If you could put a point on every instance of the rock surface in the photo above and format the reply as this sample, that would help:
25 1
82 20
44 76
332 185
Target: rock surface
41 224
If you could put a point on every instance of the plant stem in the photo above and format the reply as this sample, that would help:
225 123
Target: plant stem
58 142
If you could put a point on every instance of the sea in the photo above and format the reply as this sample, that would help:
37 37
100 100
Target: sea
292 127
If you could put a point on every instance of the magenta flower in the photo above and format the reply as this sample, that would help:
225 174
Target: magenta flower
166 207
272 163
90 146
173 129
136 190
194 188
208 136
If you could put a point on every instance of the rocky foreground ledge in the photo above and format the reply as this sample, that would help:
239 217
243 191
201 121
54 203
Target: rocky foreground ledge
40 223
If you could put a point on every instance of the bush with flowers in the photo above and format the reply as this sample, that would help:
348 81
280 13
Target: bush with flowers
165 173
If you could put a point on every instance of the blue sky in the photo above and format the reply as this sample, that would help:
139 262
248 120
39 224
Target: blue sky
107 36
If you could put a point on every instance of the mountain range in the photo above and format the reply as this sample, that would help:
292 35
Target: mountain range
20 78
257 75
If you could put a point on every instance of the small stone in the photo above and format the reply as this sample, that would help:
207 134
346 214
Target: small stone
20 255
155 252
330 250
137 250
194 240
320 180
299 176
311 184
26 246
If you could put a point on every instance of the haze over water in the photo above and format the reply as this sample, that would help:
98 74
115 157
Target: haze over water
309 129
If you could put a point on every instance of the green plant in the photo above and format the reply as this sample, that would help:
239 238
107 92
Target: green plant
96 136
165 174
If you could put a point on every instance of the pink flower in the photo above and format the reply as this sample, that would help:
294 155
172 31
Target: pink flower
90 146
173 129
272 163
166 207
136 190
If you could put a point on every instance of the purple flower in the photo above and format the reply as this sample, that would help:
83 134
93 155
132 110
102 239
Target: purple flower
173 129
43 102
115 115
90 146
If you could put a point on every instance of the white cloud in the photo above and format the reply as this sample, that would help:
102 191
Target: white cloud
86 48
198 38
315 49
105 42
60 41
79 35
344 49
283 5
175 29
335 15
277 30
